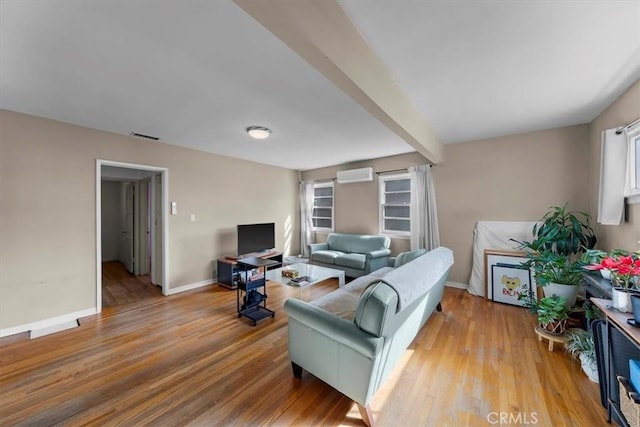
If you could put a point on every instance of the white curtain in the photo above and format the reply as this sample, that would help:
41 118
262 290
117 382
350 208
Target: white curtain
425 233
306 211
612 177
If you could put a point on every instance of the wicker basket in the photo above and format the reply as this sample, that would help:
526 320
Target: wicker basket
557 327
629 402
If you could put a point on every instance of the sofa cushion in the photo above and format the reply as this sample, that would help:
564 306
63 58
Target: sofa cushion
351 260
377 302
357 243
343 301
405 257
328 256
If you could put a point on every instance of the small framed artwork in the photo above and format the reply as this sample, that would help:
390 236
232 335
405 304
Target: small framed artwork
509 281
505 276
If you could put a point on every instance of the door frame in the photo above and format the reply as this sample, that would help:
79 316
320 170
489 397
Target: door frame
164 183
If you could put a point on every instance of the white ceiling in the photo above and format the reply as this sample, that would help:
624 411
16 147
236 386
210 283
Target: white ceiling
196 73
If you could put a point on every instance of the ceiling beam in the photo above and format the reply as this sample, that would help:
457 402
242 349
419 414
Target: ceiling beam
322 34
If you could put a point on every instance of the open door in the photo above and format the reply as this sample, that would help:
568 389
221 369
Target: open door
156 225
141 228
128 232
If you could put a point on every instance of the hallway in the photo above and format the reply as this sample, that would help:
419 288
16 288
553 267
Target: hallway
121 287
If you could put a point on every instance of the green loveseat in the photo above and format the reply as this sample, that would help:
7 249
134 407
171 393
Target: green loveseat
355 254
352 337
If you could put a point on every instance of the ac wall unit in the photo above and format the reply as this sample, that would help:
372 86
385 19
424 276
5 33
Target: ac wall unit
355 175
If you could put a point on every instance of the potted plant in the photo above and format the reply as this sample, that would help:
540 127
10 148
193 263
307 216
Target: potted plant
580 345
552 314
625 278
552 311
560 236
563 232
557 273
595 256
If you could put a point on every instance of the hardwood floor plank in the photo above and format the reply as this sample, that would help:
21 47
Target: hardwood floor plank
120 287
187 359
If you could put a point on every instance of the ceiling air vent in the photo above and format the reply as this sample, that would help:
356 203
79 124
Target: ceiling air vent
142 135
355 175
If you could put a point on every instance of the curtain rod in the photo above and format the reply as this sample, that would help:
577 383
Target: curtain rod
630 125
395 170
319 180
392 171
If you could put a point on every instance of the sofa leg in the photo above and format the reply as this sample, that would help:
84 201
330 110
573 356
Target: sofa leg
366 414
439 307
297 370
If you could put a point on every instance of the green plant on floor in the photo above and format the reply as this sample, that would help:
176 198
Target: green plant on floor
581 345
551 309
553 255
581 342
551 267
547 309
562 231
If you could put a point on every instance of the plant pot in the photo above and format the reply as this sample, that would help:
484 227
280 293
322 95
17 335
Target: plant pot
621 299
589 366
569 292
557 327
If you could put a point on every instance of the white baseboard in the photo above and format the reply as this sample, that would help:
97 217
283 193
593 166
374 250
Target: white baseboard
47 323
457 285
191 286
37 333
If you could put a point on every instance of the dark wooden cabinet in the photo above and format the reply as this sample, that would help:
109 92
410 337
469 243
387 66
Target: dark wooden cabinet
619 342
228 272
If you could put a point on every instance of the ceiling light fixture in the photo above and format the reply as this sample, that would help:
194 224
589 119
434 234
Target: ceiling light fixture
258 132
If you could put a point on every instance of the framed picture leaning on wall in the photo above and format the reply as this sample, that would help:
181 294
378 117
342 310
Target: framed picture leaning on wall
505 276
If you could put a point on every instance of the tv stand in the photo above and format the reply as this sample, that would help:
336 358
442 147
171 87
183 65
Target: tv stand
228 271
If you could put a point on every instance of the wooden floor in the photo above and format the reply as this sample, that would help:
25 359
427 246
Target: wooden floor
121 287
187 359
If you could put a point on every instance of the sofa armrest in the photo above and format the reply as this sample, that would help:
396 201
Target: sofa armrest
378 253
341 330
318 247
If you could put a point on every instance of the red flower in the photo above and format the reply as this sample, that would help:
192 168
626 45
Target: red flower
625 269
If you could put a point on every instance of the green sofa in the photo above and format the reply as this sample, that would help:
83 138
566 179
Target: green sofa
352 337
355 254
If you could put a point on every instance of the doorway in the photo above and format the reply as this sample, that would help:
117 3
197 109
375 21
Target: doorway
131 232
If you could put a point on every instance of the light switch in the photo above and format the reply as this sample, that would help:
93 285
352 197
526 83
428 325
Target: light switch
174 208
193 217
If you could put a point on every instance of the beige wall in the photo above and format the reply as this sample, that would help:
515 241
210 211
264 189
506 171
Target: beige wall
512 178
47 211
356 204
624 110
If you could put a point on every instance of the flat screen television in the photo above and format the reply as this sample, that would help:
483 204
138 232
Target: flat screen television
256 237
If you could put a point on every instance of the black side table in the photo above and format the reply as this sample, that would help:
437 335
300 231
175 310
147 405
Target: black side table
254 302
596 286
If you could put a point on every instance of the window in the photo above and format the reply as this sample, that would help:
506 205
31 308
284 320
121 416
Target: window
395 204
632 185
322 215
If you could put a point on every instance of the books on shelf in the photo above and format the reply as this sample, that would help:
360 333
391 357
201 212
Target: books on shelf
250 275
300 281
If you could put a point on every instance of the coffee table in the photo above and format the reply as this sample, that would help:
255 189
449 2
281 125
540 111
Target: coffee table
317 274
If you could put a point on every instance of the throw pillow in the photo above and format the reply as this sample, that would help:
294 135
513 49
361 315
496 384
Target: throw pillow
405 257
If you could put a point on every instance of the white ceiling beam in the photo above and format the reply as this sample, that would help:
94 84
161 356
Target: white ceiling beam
322 34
